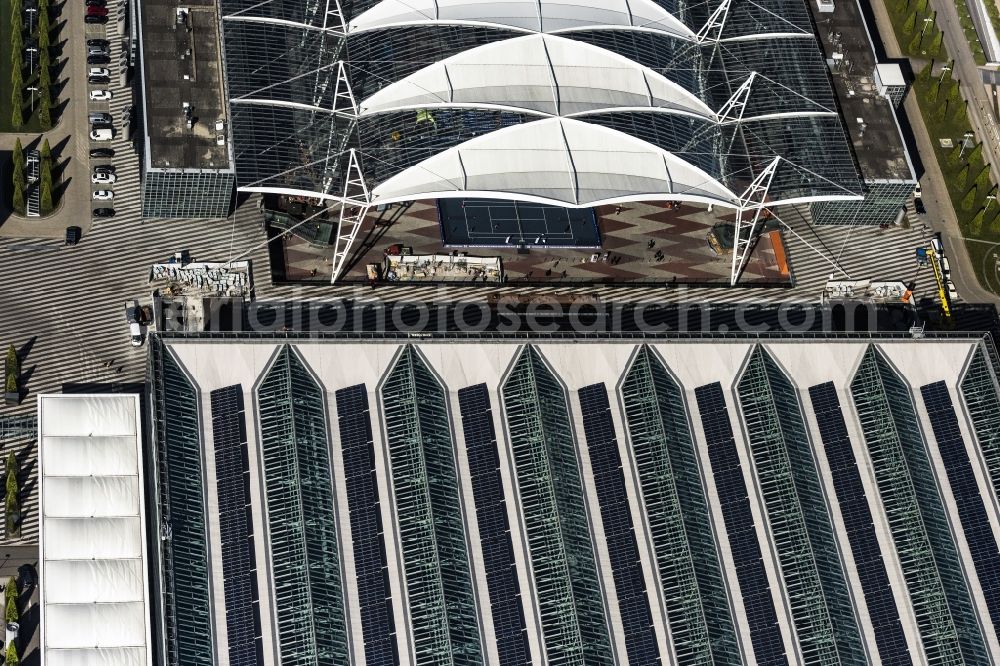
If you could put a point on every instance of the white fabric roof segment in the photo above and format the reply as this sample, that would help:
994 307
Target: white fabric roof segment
537 73
556 160
546 16
94 562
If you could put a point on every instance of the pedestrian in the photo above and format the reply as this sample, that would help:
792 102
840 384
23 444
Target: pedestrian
618 209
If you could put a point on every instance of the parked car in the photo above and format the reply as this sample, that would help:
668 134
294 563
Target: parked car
96 3
98 60
103 195
98 49
98 80
103 178
102 152
104 168
99 117
99 71
103 43
97 11
102 134
100 95
73 235
94 18
104 212
918 204
917 192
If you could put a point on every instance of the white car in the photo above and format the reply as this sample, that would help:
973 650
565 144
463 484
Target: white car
100 95
99 71
102 134
103 195
101 178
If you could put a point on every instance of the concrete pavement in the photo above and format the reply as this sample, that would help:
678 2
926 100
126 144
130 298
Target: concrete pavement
69 141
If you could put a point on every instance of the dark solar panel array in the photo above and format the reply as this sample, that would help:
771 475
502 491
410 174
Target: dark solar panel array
378 627
969 501
619 533
853 503
494 529
761 616
239 568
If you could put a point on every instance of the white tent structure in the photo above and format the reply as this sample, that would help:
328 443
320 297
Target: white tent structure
92 549
572 103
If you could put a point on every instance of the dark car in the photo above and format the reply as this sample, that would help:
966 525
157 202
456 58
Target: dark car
93 18
104 168
73 235
98 60
102 152
918 203
97 11
104 212
96 3
103 43
98 80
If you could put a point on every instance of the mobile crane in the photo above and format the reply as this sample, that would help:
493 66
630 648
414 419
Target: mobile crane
930 255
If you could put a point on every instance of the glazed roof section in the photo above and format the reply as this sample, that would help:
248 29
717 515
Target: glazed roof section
405 84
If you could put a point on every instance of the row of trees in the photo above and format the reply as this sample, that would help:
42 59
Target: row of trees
921 35
19 179
968 177
42 38
12 614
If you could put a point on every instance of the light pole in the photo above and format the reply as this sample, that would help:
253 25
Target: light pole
32 51
989 198
965 143
32 90
31 11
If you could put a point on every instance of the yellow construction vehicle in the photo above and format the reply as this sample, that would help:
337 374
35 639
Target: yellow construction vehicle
939 277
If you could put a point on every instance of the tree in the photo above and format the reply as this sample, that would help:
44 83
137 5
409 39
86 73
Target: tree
934 48
45 185
16 106
12 487
955 93
16 12
18 157
11 658
963 177
12 614
18 200
941 111
969 200
976 225
976 154
910 24
924 75
915 42
43 28
961 111
921 6
932 94
953 156
12 370
983 177
44 110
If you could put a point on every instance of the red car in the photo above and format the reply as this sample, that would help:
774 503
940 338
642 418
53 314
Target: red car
97 11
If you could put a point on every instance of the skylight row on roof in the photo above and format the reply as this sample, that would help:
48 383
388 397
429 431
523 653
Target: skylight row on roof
637 519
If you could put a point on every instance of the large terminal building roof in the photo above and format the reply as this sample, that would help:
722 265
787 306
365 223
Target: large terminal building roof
522 502
573 103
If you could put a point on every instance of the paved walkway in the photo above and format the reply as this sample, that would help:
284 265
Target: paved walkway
68 140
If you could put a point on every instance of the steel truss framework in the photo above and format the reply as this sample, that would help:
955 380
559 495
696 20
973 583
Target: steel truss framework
335 99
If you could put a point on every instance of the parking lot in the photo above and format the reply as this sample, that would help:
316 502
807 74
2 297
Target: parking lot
104 64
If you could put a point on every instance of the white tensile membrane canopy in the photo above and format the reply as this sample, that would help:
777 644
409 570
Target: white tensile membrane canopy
528 15
93 553
537 73
557 160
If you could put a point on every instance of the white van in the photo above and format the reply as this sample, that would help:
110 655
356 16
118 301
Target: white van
102 134
945 266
